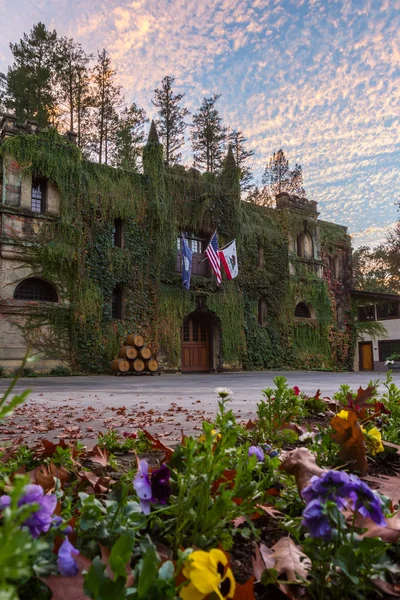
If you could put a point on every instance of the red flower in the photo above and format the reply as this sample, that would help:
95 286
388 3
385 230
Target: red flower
296 390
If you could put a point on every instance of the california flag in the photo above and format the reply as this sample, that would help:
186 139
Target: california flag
229 260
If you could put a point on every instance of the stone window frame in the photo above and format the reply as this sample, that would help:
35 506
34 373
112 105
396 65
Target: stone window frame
35 289
41 183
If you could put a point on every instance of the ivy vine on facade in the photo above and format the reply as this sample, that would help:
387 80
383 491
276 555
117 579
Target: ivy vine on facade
90 253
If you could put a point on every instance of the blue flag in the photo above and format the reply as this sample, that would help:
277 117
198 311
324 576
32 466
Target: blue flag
186 263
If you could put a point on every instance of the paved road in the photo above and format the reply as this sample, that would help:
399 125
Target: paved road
78 407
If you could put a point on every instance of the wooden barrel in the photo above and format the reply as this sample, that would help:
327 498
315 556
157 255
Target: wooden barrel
136 365
152 365
128 352
145 353
120 365
134 340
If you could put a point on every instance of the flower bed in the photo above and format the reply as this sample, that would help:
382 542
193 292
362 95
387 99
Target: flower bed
267 509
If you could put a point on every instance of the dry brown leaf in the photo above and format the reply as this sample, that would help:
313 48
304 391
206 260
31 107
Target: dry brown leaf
390 533
44 476
156 444
262 559
99 455
301 463
66 588
391 589
390 445
245 591
362 399
351 441
292 565
387 485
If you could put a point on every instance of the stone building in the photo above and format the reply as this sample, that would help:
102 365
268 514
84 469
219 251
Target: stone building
89 253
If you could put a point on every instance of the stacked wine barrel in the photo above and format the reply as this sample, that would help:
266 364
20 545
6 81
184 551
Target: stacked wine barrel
135 357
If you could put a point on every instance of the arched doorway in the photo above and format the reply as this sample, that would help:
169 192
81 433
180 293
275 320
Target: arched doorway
200 343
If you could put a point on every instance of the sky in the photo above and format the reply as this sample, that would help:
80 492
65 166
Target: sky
317 78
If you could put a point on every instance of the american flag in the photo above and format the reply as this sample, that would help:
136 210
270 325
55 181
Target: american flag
213 257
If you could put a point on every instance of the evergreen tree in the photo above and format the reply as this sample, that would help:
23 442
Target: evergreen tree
171 123
107 98
3 89
130 137
74 90
237 140
208 136
279 178
31 86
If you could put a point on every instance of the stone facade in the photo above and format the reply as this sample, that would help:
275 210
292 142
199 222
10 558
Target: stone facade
289 260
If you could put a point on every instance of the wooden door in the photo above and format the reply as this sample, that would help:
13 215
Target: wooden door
366 356
195 346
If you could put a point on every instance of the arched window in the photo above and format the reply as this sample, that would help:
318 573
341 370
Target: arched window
302 311
116 302
36 289
262 312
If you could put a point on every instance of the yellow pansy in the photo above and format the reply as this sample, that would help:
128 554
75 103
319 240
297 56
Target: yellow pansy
343 414
373 439
202 437
208 572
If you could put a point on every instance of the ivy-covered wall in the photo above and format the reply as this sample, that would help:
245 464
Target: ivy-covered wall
75 252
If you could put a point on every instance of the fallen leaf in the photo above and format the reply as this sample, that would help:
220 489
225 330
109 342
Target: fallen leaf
245 591
390 533
391 589
302 464
66 588
157 444
350 438
292 565
99 455
361 400
387 485
261 560
44 476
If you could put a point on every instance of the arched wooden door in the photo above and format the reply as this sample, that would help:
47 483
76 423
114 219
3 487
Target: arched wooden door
195 345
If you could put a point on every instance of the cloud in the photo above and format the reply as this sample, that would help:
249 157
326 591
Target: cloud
318 78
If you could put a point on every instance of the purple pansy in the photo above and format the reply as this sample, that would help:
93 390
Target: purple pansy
41 520
154 488
256 451
316 522
367 502
142 486
66 563
332 485
161 489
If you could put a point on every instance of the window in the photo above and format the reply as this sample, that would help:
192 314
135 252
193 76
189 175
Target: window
200 263
262 312
117 234
35 289
389 310
116 303
338 267
38 195
366 313
340 314
305 246
302 311
387 348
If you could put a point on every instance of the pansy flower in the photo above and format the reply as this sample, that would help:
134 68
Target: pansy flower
256 451
152 488
207 572
41 519
66 562
373 440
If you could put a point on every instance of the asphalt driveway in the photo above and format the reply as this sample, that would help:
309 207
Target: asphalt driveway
79 407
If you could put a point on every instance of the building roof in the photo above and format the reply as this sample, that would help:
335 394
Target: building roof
377 296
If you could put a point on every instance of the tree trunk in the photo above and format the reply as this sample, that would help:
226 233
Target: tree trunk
128 352
145 353
152 365
137 365
120 365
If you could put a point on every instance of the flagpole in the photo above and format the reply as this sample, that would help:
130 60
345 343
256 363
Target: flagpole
226 245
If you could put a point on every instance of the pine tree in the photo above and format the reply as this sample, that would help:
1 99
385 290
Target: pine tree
130 137
279 178
31 90
74 90
238 140
107 97
171 124
208 136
